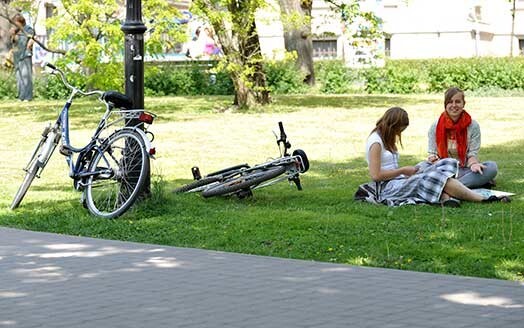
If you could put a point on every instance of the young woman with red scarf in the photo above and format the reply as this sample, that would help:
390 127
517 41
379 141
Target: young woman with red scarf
456 135
394 185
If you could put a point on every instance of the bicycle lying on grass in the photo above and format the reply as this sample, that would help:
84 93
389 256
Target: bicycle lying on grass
110 171
241 179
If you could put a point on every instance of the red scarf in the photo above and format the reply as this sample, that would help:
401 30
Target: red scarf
446 125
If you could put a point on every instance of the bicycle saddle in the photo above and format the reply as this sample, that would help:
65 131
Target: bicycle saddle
118 99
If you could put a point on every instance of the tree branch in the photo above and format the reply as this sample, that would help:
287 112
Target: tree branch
33 37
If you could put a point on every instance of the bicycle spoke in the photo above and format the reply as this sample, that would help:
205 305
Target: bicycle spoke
124 157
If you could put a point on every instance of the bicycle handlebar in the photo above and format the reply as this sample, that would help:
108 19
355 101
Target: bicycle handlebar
283 139
63 77
51 66
282 133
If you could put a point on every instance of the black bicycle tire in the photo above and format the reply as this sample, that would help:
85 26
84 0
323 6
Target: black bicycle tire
303 156
196 184
32 168
224 189
229 169
24 186
139 185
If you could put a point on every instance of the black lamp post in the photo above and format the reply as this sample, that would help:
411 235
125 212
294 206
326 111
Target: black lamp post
134 29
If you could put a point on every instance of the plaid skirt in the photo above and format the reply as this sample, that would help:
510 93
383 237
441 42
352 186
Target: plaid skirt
425 186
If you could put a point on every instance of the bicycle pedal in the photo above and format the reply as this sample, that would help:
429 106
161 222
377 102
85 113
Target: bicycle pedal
83 200
296 181
244 193
78 185
196 173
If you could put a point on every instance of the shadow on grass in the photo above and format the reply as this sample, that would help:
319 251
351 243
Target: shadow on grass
322 223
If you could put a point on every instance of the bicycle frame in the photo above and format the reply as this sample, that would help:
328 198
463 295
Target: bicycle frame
61 129
242 179
291 171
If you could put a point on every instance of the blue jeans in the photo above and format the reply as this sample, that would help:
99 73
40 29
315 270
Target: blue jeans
24 78
476 180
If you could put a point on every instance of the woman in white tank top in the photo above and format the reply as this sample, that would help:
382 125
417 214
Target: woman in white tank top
394 185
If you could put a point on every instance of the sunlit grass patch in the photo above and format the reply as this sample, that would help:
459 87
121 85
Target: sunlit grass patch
322 222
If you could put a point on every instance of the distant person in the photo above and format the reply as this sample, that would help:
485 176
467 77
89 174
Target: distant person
210 47
425 183
195 48
22 57
456 135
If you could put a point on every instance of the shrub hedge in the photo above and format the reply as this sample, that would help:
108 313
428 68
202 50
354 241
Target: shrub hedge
483 75
7 85
436 75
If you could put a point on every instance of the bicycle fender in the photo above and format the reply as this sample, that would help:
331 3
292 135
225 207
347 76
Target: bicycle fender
147 143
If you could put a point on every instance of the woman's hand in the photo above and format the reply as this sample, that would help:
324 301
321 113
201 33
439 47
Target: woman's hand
477 168
409 170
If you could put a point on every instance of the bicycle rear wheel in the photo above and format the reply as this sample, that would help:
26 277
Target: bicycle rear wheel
118 174
197 184
211 178
248 180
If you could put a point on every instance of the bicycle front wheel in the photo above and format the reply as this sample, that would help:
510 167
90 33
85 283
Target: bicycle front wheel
26 183
117 175
43 151
247 180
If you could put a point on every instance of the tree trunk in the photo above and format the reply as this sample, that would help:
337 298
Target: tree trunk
244 96
238 38
253 57
299 38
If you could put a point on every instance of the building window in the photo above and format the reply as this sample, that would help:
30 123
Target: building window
521 47
325 48
387 47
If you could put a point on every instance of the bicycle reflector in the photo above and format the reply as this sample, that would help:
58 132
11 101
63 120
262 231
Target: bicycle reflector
152 151
146 118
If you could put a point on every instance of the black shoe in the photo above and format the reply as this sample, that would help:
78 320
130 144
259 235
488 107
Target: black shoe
451 202
495 199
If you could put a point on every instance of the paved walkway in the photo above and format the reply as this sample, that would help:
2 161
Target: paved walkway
49 280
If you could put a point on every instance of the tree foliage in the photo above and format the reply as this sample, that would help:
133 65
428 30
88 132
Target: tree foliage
9 7
361 26
87 34
234 24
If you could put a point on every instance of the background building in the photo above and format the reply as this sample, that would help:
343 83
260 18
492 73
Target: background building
448 28
414 29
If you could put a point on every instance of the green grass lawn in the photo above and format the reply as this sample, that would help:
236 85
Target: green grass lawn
320 223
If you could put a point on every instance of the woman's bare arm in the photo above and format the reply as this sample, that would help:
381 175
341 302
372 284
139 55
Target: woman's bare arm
375 171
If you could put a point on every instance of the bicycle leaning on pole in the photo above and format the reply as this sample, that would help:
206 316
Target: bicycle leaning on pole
109 171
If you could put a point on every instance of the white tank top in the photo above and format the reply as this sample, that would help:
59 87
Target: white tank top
388 160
